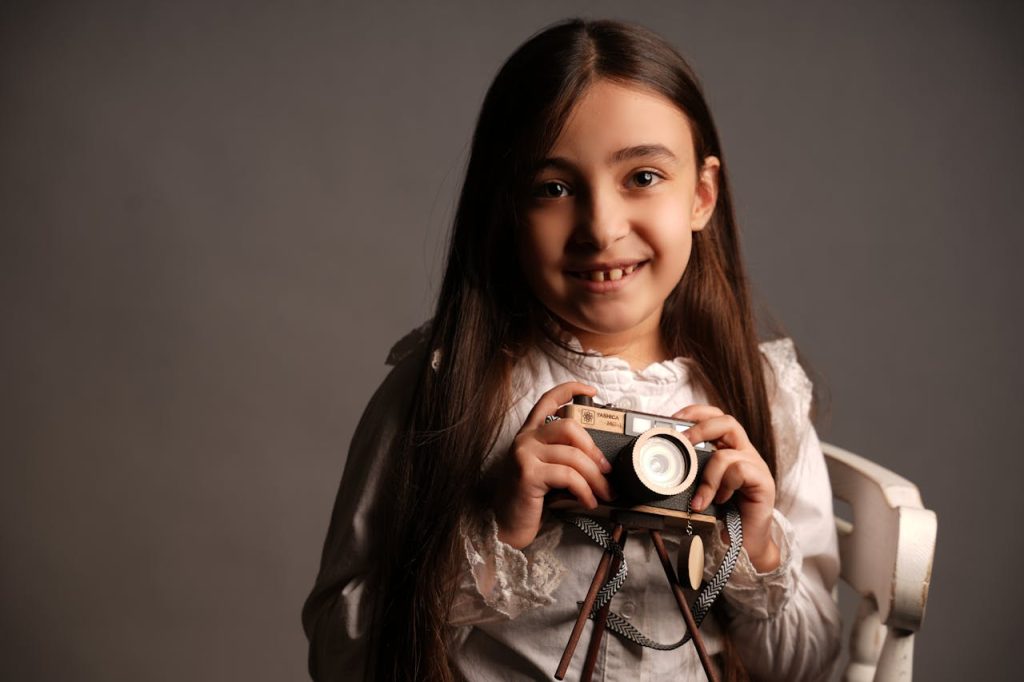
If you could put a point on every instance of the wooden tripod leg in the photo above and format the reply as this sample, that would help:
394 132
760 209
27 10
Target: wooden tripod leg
684 608
597 634
588 604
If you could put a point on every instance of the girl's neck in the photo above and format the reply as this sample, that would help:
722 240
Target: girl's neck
640 347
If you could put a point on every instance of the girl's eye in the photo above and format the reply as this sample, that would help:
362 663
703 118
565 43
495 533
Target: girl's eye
646 178
551 190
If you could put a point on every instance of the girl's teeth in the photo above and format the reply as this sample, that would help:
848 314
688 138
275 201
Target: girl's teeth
610 275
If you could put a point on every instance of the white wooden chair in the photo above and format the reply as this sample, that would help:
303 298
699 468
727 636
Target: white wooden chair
886 553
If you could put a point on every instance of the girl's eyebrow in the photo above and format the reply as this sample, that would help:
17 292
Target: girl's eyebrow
641 151
647 151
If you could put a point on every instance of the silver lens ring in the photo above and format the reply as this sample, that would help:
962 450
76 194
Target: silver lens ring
664 461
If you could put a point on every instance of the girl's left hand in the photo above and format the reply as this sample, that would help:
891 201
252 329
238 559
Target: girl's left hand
735 467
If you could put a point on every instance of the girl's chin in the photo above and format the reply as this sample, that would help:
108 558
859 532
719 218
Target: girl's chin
596 329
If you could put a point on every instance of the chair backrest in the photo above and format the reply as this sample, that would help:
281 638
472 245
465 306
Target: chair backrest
885 553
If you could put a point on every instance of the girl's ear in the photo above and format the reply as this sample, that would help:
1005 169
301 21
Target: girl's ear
707 193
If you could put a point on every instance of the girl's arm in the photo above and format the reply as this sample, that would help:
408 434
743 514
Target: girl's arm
511 565
785 623
338 614
496 581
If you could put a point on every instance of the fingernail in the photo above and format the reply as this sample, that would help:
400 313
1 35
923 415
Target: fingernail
697 503
605 465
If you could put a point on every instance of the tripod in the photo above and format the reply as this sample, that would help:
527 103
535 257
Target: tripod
624 521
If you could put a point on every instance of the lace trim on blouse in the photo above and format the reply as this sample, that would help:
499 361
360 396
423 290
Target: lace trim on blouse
510 580
761 595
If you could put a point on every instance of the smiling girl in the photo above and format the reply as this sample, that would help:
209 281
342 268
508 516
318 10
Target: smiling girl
594 253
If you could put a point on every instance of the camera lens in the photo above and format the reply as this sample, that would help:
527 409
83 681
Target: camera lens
662 462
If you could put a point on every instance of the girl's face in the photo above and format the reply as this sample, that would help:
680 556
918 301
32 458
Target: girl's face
609 223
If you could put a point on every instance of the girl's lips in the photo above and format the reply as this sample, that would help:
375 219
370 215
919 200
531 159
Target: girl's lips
607 279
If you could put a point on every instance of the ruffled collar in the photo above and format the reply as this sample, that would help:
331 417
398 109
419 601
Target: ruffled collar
591 366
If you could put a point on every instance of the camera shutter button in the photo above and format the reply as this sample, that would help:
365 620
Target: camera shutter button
626 402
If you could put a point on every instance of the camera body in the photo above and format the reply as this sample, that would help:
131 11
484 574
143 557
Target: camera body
654 468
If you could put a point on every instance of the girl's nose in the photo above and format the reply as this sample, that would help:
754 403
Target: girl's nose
603 221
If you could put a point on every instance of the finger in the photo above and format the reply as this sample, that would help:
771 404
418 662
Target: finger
559 477
723 429
733 479
554 398
569 432
696 413
566 455
711 478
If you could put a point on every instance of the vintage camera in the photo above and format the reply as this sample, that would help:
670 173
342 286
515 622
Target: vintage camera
655 469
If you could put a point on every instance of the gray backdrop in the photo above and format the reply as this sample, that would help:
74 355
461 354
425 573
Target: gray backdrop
216 217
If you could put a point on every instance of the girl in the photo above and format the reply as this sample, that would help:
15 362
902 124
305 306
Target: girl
594 252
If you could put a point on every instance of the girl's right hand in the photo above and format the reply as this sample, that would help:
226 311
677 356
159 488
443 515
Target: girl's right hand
548 456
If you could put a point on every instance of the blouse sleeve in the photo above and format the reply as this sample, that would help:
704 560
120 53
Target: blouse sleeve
338 614
785 623
496 581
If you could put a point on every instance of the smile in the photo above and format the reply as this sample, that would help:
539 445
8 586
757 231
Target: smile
609 273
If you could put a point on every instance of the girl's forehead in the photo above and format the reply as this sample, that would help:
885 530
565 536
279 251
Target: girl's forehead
609 117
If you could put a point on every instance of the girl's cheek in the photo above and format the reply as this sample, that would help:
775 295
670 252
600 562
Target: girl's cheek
673 208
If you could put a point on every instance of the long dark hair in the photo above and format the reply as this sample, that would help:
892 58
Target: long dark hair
486 319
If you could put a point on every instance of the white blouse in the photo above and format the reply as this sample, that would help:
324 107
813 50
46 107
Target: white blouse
515 609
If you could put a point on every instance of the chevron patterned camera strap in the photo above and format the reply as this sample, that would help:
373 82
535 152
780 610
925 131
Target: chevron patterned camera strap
705 598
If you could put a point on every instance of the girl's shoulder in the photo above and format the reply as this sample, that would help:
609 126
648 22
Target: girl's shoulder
790 393
393 398
411 344
785 373
389 407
